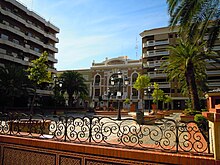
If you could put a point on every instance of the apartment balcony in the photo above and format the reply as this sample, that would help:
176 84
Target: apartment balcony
152 64
52 59
155 43
216 48
29 24
52 37
14 59
44 92
11 29
214 84
12 44
213 72
164 84
51 48
24 49
154 53
18 32
53 70
156 75
12 15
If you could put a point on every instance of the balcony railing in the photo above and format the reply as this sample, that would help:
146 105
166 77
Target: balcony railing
154 74
155 53
155 43
29 24
157 63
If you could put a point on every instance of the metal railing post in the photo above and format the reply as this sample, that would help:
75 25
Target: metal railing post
177 136
65 130
90 130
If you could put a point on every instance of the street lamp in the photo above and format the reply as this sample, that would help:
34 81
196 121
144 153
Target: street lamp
148 89
108 95
118 81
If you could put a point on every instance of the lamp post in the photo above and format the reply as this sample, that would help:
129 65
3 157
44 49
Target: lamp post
117 81
149 89
108 95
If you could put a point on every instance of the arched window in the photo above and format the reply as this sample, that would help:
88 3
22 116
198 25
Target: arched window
134 77
97 79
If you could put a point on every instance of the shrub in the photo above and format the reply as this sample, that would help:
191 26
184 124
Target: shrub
190 111
201 121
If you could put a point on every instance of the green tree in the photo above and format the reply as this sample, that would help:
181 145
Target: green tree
58 96
73 84
158 94
167 99
142 82
196 14
38 73
13 81
187 64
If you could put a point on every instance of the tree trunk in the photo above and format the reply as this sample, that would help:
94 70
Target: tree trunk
33 100
192 87
70 101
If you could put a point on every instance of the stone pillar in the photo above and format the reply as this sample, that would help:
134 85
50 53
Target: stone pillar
213 116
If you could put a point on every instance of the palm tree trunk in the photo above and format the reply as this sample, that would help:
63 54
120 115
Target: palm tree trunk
70 101
192 87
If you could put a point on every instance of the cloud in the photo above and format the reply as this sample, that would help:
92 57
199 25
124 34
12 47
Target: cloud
95 29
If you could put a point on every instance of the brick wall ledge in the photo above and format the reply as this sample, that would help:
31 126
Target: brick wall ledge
120 153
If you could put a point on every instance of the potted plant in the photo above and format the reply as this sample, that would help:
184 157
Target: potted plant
158 95
127 103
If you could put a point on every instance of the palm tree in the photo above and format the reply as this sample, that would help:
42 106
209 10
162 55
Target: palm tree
73 84
13 81
187 64
196 14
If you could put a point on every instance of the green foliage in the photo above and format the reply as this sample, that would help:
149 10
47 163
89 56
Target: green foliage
196 16
142 82
38 70
201 121
73 84
199 118
127 101
13 83
187 62
158 94
189 111
38 73
167 99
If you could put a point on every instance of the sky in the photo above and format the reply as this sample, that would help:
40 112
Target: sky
91 30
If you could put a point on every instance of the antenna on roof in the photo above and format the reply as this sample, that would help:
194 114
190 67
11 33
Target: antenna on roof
136 48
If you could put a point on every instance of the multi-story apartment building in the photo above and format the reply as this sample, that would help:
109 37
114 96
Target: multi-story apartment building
24 35
103 93
154 47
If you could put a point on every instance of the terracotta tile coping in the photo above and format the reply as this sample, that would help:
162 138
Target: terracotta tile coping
139 155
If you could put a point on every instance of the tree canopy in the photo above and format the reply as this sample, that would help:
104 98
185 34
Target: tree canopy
38 73
73 84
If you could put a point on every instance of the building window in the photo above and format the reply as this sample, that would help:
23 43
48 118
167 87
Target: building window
15 41
4 37
134 77
97 79
134 92
97 92
36 50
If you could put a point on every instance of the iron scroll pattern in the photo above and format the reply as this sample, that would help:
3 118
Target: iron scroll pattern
161 134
